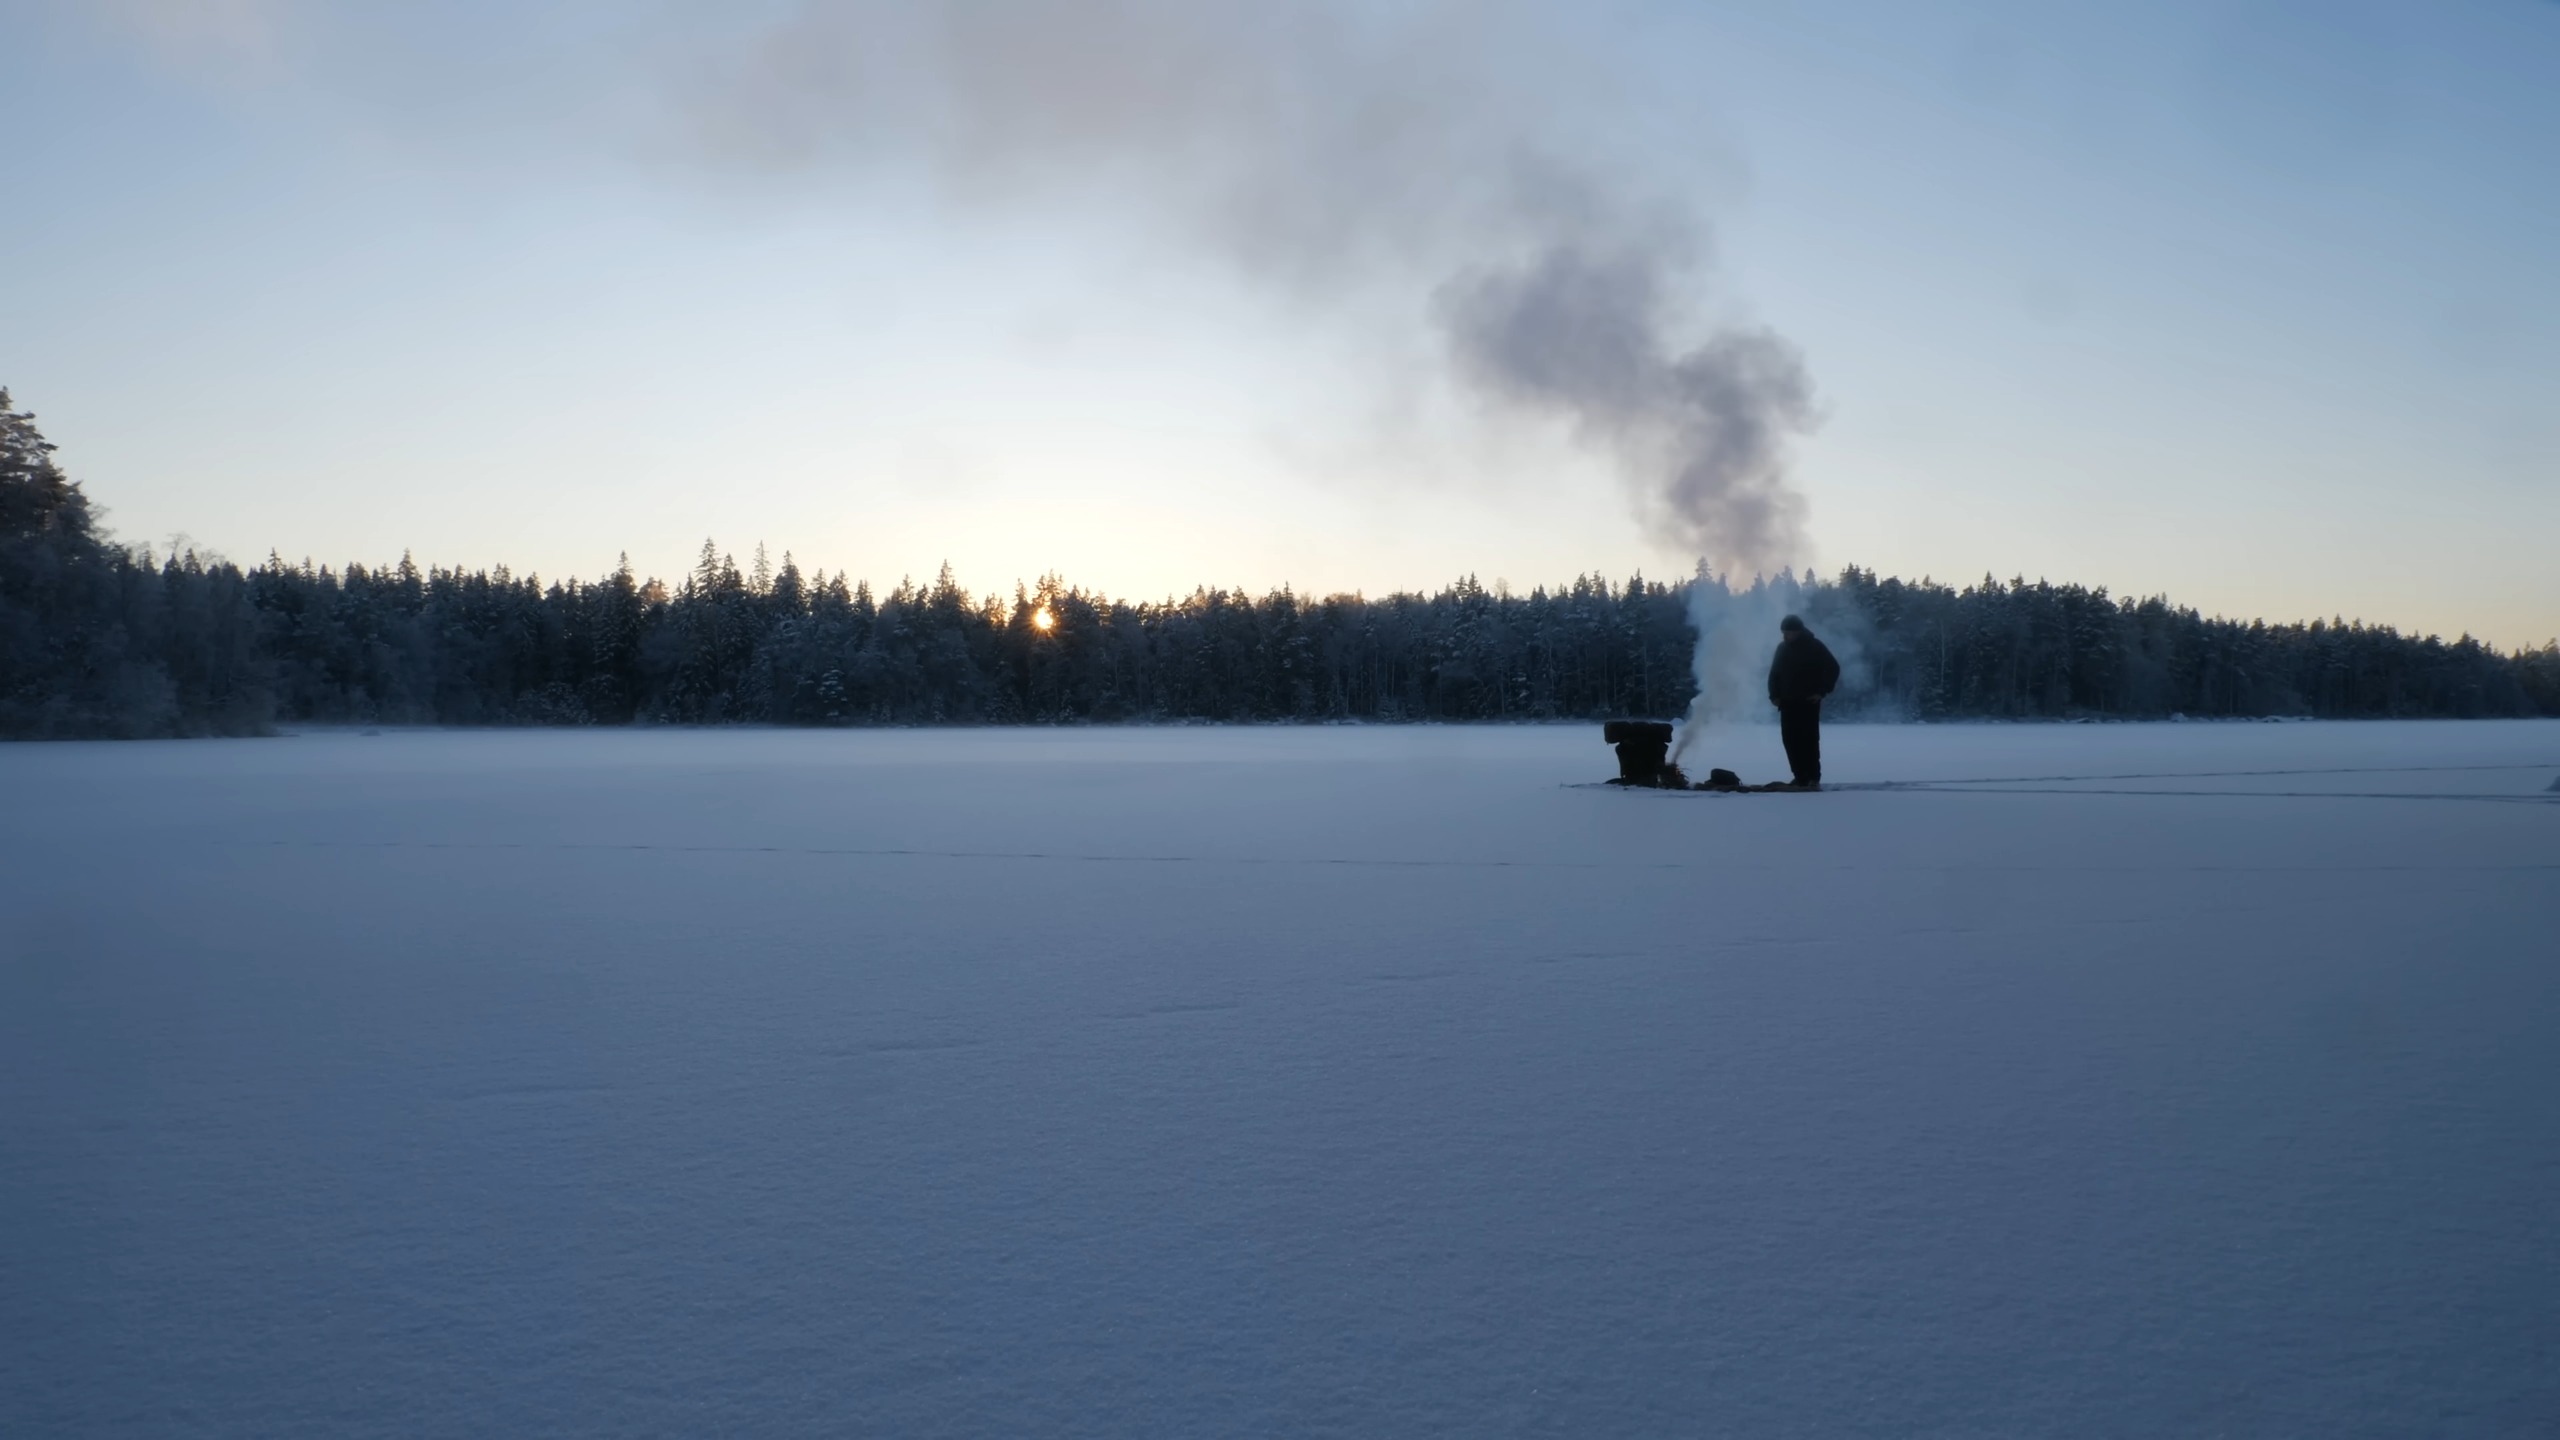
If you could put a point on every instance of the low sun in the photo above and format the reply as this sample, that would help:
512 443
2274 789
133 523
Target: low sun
1042 620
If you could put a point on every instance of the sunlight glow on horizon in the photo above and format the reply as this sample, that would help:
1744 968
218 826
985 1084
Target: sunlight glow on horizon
2219 301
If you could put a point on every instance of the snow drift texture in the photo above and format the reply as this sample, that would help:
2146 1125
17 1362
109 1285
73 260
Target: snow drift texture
1186 1083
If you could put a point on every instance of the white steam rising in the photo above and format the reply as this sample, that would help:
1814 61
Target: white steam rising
1737 636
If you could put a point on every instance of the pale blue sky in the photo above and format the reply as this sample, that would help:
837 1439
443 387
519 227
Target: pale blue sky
2253 303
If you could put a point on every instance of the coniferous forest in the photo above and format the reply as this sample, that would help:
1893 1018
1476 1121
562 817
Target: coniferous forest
100 640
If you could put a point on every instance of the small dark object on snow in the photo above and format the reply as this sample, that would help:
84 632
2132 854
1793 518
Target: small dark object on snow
1721 780
1644 754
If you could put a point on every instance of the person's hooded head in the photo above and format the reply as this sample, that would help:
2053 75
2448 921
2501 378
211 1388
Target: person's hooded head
1791 627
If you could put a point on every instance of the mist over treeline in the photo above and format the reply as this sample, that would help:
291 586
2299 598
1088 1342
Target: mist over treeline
102 640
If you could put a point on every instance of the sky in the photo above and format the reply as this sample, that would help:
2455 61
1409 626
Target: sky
2248 302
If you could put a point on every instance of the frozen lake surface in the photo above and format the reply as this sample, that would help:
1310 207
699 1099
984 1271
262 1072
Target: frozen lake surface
2166 1080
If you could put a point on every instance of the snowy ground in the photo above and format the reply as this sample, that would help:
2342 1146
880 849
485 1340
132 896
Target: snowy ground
1281 1082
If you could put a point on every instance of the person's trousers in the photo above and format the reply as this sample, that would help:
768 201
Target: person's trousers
1800 728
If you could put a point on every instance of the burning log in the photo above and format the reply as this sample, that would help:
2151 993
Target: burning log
1644 754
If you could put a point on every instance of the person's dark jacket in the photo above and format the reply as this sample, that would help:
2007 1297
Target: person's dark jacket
1802 670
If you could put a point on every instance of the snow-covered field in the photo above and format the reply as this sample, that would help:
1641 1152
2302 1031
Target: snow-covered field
2197 1080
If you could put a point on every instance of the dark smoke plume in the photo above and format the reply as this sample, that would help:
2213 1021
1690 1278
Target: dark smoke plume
1444 149
1701 437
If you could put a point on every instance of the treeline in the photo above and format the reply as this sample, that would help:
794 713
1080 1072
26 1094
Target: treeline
2035 650
99 640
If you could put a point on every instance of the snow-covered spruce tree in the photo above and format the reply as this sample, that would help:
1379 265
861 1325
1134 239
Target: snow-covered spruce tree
36 498
92 643
58 591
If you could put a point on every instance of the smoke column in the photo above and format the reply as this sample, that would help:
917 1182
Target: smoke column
1699 437
1320 148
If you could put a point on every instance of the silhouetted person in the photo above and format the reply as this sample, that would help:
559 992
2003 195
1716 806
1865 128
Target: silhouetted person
1800 674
